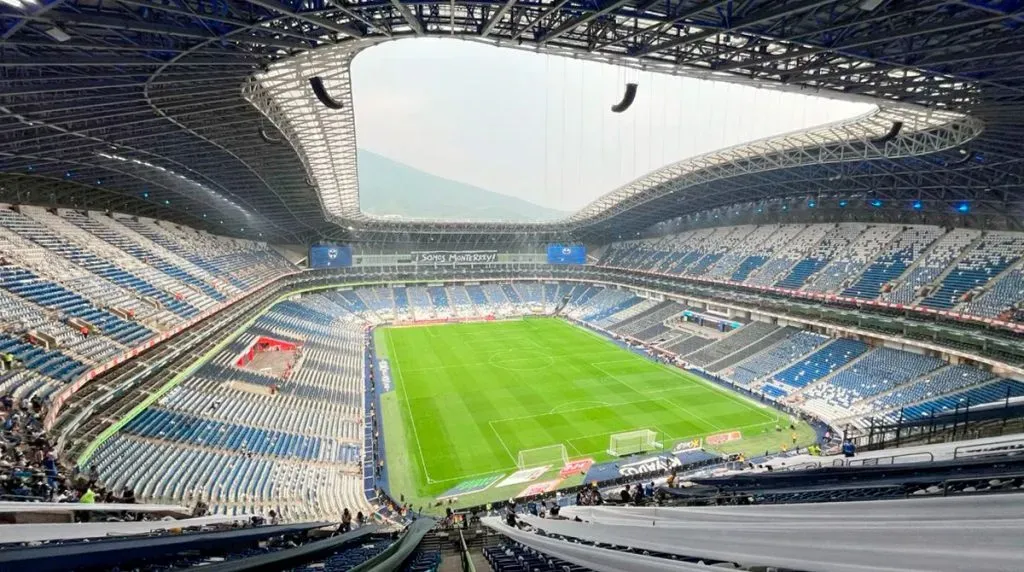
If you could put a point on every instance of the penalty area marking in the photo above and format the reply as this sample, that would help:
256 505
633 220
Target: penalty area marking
598 404
502 441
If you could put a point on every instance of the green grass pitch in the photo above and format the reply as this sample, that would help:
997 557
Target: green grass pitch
468 397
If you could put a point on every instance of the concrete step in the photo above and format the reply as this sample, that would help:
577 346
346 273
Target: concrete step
451 563
479 562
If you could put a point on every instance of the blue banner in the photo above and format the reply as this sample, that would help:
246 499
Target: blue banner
330 256
567 254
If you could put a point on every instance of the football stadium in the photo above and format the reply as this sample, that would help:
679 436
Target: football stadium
512 286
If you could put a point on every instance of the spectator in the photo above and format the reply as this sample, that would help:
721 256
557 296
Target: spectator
346 521
849 449
88 497
624 495
274 519
128 497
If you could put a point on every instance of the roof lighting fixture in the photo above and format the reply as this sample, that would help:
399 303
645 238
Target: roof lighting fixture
917 205
57 33
963 207
13 3
812 203
186 186
843 203
876 202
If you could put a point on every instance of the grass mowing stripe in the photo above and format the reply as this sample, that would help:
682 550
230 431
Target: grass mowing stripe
395 368
478 393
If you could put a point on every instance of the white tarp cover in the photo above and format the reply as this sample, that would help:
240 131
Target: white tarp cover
70 531
13 506
979 533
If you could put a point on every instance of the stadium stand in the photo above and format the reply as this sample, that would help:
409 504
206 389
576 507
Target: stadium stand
878 371
968 270
940 382
624 311
833 356
649 323
943 253
849 261
613 538
751 349
819 315
977 396
985 260
736 340
894 261
788 255
834 241
999 298
262 460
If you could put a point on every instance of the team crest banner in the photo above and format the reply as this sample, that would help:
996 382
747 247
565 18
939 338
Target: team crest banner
455 257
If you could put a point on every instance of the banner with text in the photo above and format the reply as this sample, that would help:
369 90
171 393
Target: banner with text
439 257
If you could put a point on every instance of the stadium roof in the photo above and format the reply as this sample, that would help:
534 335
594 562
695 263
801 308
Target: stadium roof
201 112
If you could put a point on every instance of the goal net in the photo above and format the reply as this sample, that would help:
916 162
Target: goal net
632 442
550 455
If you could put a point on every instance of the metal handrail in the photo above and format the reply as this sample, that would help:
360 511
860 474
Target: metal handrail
957 451
875 461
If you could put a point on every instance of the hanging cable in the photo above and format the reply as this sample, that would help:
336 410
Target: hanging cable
547 128
579 149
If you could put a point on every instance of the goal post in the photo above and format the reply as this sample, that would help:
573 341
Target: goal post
631 442
540 456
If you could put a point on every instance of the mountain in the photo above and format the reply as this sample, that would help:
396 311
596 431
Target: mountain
390 188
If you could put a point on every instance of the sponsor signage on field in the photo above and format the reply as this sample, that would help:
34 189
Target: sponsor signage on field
683 446
524 476
471 486
385 376
455 257
575 467
723 438
539 488
649 465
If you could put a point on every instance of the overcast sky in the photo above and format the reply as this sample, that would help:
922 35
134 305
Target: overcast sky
539 127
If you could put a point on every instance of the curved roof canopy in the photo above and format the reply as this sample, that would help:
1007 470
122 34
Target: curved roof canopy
201 112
